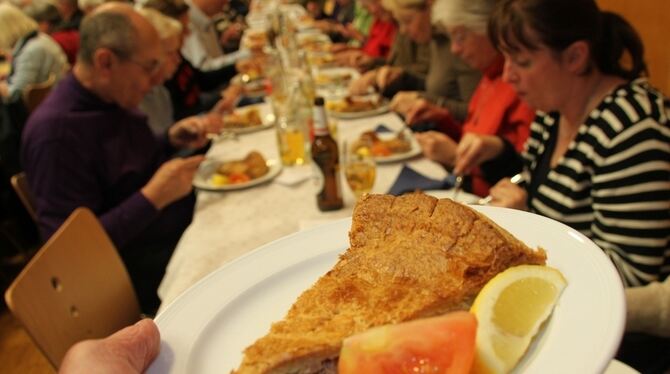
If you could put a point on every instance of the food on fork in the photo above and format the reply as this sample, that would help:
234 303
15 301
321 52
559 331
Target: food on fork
410 257
240 171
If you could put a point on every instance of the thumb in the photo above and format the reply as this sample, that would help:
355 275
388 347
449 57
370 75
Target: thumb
139 343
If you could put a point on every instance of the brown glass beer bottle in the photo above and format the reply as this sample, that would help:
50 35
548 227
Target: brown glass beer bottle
326 161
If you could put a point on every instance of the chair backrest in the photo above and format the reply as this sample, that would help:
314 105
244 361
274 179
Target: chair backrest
20 185
76 287
34 94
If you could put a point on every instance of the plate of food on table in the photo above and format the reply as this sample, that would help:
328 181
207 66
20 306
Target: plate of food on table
249 118
235 174
408 282
388 146
313 42
352 107
336 76
320 59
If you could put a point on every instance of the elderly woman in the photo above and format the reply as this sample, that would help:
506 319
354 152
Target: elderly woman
495 108
157 104
449 83
598 156
190 87
35 56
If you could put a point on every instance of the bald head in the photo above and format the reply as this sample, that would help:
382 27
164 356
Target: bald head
117 27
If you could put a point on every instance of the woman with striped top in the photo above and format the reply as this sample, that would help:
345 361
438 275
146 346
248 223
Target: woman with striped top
598 156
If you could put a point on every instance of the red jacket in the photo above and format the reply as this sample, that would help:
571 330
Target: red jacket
495 109
380 38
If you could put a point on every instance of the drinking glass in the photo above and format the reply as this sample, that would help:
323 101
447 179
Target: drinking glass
359 168
292 140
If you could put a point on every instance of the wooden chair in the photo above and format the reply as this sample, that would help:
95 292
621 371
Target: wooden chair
76 287
20 185
34 94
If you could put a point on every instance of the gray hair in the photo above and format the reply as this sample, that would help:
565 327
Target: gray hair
473 14
111 30
166 27
15 25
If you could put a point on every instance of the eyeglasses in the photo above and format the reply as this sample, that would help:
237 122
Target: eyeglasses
151 68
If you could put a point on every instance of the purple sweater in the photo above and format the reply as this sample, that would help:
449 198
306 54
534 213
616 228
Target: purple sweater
80 151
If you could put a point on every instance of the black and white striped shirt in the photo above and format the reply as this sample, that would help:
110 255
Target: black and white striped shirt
613 182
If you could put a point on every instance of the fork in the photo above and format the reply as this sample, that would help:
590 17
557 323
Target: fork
457 186
516 179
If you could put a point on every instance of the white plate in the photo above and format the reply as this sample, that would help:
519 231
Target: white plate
463 197
205 329
311 38
325 77
267 119
381 109
415 149
201 180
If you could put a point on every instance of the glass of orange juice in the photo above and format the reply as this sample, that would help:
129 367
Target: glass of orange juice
359 168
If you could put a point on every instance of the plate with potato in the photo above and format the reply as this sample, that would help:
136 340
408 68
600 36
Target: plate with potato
230 175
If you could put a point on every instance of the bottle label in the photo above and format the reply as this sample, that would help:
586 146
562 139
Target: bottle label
320 121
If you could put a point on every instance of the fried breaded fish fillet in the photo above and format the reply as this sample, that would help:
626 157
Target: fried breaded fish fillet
410 257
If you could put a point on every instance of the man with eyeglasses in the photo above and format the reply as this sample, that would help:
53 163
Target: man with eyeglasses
89 145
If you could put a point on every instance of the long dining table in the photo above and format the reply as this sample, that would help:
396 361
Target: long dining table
228 224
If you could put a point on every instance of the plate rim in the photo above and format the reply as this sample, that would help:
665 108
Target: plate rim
275 167
383 108
250 129
181 303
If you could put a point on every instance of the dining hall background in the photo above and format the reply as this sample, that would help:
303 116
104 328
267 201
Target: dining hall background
18 238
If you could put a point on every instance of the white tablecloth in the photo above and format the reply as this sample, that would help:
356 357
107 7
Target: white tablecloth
229 224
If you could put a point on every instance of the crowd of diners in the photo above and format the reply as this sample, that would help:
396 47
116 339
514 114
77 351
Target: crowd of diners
555 90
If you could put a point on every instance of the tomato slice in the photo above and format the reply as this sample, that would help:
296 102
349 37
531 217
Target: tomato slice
444 344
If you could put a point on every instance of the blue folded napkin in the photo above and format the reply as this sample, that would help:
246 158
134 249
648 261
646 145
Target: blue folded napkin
409 181
381 128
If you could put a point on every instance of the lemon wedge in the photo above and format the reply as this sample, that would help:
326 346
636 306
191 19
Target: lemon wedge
510 310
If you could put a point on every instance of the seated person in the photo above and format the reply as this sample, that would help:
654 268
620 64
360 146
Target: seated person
157 104
88 145
379 40
449 83
495 108
47 17
410 52
350 21
202 45
193 91
35 55
598 155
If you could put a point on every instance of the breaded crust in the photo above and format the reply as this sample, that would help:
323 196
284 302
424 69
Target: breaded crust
411 256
